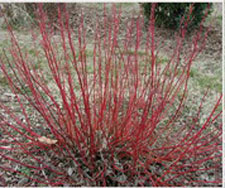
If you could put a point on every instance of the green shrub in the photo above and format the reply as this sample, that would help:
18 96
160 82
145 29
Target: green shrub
169 15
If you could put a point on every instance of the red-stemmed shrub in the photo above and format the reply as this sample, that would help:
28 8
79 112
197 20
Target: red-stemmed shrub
110 119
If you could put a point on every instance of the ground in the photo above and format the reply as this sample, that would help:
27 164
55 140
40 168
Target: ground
206 71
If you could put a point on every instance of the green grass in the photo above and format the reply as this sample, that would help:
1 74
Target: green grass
193 72
4 44
3 82
219 19
211 82
205 81
25 170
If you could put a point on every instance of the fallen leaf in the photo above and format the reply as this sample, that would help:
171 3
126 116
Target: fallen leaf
46 140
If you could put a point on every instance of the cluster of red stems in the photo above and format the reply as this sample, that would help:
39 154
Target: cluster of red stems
121 119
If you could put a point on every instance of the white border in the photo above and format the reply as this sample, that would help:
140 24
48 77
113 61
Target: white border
134 1
105 1
223 101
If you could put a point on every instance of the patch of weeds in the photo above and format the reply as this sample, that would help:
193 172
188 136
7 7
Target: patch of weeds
126 4
32 52
88 53
159 60
219 109
4 44
219 19
25 170
204 81
26 90
132 52
193 72
3 82
209 82
44 95
214 19
90 69
162 60
41 185
14 133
